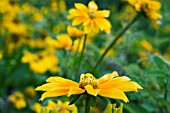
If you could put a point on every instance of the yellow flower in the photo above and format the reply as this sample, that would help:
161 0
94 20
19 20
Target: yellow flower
74 32
148 7
42 61
146 46
110 85
111 108
93 20
30 92
64 42
61 107
37 17
37 107
18 100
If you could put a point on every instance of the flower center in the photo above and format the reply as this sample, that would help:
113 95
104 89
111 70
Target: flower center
92 14
145 7
88 79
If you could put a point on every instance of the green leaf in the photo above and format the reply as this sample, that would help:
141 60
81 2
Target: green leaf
92 100
132 108
73 99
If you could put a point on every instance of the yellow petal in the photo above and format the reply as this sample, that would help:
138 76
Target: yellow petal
155 5
51 86
137 85
75 90
107 77
132 2
77 21
53 93
80 6
62 80
92 6
127 86
114 93
91 91
103 13
114 82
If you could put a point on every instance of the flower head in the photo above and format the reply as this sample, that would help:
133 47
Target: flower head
148 7
110 85
64 42
74 32
18 100
93 20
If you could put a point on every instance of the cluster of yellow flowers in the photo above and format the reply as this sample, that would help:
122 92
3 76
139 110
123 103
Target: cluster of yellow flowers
58 107
41 62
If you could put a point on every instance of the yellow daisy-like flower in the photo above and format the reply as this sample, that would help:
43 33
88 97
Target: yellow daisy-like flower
18 100
61 107
148 7
93 20
64 42
74 32
110 85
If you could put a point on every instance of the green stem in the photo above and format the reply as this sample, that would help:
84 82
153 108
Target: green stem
114 41
81 57
87 106
166 94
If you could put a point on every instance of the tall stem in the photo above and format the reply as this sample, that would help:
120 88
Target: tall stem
81 57
87 106
114 41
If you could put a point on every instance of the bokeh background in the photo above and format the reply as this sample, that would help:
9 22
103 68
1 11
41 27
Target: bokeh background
27 26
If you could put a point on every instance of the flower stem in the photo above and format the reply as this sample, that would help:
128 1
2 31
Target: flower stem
114 41
81 57
87 105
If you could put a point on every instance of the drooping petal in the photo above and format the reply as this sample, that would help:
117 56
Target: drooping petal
128 86
75 90
53 93
90 90
114 93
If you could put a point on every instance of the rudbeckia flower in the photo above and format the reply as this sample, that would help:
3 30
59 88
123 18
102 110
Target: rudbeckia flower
148 7
110 85
74 32
18 100
92 19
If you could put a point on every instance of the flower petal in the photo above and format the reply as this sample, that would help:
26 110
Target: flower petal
91 91
62 80
107 77
114 93
53 93
75 90
92 6
80 6
103 13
